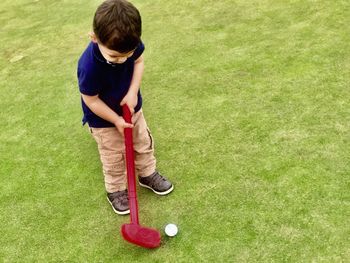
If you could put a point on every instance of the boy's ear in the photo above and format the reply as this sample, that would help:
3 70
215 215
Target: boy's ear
93 37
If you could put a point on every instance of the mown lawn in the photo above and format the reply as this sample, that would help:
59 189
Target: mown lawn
249 105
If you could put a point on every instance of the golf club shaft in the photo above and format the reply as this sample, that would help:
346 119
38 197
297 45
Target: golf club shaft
130 167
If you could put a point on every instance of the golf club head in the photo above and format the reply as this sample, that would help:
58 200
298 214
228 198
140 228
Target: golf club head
141 236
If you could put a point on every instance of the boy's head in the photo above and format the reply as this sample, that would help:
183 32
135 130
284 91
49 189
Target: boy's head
117 26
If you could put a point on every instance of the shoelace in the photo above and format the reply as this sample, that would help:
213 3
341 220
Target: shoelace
158 179
120 197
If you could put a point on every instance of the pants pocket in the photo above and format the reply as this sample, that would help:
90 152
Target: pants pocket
113 163
151 146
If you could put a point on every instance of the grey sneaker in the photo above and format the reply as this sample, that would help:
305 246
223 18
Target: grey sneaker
157 183
119 202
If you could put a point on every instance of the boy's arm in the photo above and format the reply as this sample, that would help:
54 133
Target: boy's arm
97 106
131 97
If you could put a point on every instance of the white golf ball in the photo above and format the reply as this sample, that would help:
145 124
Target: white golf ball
171 230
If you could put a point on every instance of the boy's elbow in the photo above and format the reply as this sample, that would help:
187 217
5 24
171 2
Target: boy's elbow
89 99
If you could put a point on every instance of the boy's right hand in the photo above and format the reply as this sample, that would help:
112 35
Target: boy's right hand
121 124
97 106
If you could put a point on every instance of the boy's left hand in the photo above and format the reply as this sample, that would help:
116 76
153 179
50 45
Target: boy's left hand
131 100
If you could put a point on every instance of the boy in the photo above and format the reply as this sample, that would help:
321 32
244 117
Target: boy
109 74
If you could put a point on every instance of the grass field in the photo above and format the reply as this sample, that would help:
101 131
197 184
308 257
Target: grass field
249 104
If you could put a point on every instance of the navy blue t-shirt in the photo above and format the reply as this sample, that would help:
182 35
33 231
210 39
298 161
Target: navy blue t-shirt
110 82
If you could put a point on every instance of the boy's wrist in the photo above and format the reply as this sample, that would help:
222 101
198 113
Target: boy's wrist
117 120
133 90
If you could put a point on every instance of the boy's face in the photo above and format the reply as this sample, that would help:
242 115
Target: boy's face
110 55
114 56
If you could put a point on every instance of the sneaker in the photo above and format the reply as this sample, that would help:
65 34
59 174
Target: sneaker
119 202
157 183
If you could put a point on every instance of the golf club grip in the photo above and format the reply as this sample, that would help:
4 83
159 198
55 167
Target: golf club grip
130 167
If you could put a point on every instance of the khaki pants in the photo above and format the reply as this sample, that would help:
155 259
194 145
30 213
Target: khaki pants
112 153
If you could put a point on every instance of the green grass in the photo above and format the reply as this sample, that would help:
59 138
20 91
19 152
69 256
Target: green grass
249 104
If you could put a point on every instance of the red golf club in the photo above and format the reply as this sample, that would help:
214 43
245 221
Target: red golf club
133 232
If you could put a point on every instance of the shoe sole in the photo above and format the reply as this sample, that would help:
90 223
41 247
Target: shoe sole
158 193
126 212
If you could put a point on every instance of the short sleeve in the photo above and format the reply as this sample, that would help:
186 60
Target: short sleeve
138 51
87 84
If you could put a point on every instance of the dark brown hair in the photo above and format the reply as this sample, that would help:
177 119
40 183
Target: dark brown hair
117 25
